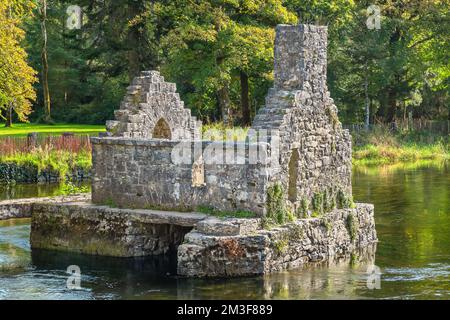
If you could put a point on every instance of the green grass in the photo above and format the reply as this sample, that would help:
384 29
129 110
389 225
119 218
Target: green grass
56 160
225 214
385 154
219 132
22 129
381 147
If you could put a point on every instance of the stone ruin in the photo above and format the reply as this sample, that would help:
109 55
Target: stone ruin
152 109
152 173
310 156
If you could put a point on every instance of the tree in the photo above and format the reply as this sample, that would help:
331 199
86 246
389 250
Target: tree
16 86
44 60
216 49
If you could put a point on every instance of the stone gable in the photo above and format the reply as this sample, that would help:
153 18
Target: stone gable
152 109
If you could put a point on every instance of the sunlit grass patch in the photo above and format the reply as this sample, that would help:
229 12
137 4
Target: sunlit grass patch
22 129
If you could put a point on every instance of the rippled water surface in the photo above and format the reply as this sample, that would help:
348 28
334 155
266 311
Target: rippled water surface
413 224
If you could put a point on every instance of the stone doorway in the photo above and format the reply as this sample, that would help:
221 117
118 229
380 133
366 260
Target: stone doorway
162 130
293 175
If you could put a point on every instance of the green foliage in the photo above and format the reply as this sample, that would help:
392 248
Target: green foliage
110 203
327 224
70 188
383 147
228 37
225 214
206 46
329 200
23 129
281 246
218 131
302 210
344 200
17 77
58 161
352 226
277 212
318 204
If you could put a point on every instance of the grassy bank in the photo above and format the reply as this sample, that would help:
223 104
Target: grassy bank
378 147
382 147
60 161
23 129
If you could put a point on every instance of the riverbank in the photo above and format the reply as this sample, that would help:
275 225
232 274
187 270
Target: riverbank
381 147
69 158
44 159
43 165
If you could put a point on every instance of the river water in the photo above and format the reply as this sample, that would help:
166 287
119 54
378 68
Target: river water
413 256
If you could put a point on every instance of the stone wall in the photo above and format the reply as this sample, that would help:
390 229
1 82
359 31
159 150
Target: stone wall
14 173
99 230
23 208
315 152
143 174
206 246
218 251
152 109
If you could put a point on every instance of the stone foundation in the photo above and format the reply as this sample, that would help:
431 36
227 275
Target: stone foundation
100 230
211 252
206 246
23 208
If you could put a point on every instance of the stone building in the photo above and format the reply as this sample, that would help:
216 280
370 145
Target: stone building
305 148
291 179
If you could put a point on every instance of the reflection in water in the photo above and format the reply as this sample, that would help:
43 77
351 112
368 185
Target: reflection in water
34 190
413 225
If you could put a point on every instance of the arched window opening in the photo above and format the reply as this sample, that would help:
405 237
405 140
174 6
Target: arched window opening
162 130
293 175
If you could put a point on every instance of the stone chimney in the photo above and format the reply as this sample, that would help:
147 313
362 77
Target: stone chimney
301 58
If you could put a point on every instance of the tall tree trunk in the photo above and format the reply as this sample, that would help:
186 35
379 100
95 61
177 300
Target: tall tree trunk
391 105
9 115
223 95
223 98
132 42
366 96
44 57
224 103
245 103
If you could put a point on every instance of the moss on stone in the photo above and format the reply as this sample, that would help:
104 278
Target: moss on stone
281 246
296 232
277 212
291 216
344 201
352 226
327 224
109 202
224 214
333 117
302 210
318 204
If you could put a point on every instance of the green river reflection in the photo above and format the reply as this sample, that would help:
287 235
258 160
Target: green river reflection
413 225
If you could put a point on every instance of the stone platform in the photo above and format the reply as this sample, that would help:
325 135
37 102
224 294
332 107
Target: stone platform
100 230
23 208
206 246
209 252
